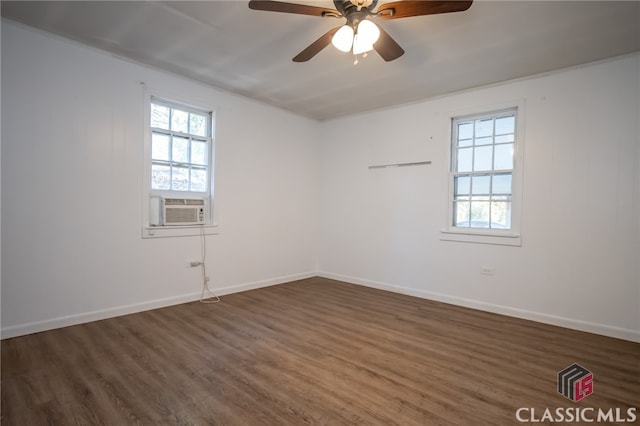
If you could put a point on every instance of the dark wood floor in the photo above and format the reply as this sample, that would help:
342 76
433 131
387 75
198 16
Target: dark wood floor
314 351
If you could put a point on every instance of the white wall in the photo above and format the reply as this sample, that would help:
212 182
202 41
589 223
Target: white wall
578 264
72 179
296 197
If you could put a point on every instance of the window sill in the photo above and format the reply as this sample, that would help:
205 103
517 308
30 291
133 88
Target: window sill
179 231
481 237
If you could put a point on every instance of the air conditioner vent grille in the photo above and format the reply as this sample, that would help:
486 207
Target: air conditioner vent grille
183 211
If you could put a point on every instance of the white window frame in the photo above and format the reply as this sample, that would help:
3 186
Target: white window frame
175 134
210 227
512 236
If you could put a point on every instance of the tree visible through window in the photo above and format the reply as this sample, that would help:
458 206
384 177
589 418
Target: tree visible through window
180 145
482 169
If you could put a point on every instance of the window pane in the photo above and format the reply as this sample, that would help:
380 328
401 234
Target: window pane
179 121
160 146
160 116
505 125
483 159
479 215
198 152
504 157
465 160
461 213
160 176
180 178
501 215
198 180
465 131
197 124
180 150
462 185
502 184
484 128
480 185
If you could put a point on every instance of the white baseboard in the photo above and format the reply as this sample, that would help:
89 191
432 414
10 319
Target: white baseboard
75 319
65 321
605 330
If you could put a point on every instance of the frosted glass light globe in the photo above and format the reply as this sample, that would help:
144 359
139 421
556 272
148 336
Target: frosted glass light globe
367 34
343 38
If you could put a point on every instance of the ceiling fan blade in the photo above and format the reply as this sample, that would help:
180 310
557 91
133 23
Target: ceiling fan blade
314 48
301 9
387 47
406 9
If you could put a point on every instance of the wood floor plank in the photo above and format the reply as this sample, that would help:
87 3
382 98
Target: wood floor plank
314 351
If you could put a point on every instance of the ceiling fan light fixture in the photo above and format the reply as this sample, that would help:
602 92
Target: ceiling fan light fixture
368 31
359 46
367 34
343 39
360 34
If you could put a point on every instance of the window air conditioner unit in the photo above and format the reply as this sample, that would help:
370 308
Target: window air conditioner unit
182 211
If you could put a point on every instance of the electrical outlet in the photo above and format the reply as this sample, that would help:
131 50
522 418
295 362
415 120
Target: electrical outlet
486 270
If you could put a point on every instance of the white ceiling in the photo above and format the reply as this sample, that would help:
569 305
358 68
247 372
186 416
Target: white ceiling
227 45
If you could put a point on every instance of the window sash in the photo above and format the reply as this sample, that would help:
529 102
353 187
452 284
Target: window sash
184 108
195 182
478 197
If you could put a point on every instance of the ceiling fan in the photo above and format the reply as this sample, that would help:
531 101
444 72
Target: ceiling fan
360 35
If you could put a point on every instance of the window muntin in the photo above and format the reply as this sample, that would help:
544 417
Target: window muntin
482 170
180 147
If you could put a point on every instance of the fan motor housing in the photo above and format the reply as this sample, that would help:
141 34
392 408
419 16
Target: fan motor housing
345 6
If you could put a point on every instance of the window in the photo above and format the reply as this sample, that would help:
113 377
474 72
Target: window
180 145
484 182
179 169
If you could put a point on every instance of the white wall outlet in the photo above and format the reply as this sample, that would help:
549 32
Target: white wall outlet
486 270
